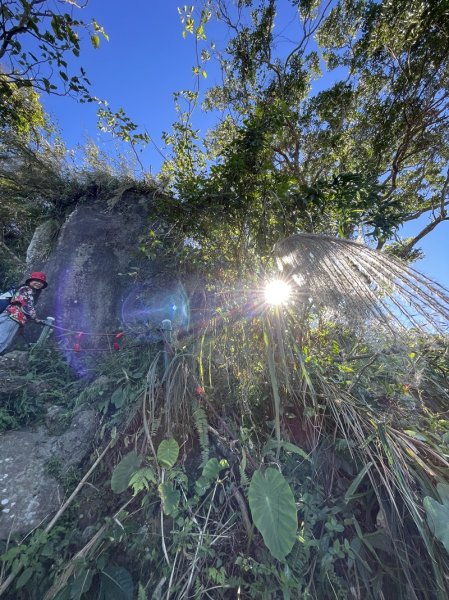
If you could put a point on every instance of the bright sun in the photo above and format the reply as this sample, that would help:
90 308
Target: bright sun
277 291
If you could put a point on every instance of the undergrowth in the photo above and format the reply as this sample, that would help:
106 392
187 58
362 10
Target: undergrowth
352 428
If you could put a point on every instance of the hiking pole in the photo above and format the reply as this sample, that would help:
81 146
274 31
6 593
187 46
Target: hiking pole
48 324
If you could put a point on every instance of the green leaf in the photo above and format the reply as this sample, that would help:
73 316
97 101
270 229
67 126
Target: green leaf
287 446
212 468
117 583
445 437
169 497
211 471
123 472
118 397
23 579
357 481
273 510
443 491
438 515
81 584
11 554
141 479
95 39
379 540
418 436
167 453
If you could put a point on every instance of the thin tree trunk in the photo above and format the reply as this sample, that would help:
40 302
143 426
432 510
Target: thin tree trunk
11 254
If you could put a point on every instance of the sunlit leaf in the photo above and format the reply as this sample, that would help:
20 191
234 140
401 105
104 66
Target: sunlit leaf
95 41
167 453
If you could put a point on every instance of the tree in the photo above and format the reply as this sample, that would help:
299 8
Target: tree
20 109
363 155
36 41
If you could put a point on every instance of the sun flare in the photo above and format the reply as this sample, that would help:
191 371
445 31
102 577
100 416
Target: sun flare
277 292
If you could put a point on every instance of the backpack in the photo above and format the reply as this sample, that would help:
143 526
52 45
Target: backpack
5 299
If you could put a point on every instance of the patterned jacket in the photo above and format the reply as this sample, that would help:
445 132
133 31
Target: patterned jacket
21 307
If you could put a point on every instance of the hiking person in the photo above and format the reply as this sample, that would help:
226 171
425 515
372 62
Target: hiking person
21 308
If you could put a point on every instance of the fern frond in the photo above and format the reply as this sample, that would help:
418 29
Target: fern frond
141 594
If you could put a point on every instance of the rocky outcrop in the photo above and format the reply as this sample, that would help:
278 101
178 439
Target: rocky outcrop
28 491
41 244
90 265
95 276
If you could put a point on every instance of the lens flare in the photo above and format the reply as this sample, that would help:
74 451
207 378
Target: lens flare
277 292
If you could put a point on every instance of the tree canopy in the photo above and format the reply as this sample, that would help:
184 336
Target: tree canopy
38 42
346 131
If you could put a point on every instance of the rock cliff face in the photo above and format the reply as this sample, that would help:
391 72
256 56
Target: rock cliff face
89 265
98 282
88 261
29 492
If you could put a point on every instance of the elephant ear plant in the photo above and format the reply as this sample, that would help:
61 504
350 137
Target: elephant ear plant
438 514
274 511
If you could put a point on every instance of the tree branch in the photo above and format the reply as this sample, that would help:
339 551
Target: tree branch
430 227
14 256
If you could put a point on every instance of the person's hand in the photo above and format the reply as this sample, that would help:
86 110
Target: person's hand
38 320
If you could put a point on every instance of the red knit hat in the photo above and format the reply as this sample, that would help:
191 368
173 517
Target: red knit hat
37 276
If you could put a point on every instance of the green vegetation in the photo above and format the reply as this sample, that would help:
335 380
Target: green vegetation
194 493
281 454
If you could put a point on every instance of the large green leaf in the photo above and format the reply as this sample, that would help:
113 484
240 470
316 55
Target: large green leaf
211 471
167 453
81 584
124 471
118 397
169 497
273 510
116 584
438 515
24 577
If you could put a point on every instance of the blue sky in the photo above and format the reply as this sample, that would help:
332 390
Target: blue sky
144 62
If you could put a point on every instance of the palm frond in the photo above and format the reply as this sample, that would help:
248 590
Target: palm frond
357 284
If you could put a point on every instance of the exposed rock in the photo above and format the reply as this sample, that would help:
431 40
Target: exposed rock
88 270
53 414
14 362
41 244
28 493
57 420
72 446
